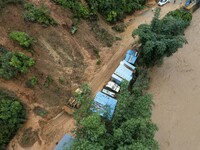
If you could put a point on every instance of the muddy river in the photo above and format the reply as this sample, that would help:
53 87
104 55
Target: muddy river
176 90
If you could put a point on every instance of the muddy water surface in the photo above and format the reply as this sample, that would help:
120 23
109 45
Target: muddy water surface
176 90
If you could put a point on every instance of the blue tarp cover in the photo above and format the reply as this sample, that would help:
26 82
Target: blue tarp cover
130 56
65 142
124 72
104 105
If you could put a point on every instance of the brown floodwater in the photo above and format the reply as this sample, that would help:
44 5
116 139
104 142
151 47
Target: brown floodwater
176 90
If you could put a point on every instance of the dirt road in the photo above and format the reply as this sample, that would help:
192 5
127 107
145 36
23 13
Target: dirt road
104 75
176 90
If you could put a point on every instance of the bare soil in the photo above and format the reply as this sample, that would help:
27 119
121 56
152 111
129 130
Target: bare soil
176 90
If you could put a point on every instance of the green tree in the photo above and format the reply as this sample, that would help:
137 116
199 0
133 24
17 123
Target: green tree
134 104
14 63
12 116
162 37
90 133
136 131
84 99
130 127
79 10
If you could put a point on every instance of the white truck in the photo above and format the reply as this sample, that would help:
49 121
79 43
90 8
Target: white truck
109 93
113 86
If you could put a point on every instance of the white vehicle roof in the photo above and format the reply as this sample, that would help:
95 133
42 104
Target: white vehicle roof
113 86
108 92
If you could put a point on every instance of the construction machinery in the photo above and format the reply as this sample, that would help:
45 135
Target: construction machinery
72 103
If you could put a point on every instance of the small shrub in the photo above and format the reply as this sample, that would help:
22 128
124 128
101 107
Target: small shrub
3 50
119 27
40 111
48 81
104 36
94 49
22 38
61 80
30 83
74 29
38 14
98 62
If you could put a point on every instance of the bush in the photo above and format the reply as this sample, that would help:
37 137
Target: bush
104 36
14 63
79 10
12 116
48 81
30 83
119 27
22 38
37 14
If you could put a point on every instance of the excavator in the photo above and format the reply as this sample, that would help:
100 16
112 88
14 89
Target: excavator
72 104
192 5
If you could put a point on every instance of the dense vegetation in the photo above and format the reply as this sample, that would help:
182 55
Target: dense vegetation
12 116
78 9
3 3
14 63
112 10
37 14
163 36
115 10
22 38
130 128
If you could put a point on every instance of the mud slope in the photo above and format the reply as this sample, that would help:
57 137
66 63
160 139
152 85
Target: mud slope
176 90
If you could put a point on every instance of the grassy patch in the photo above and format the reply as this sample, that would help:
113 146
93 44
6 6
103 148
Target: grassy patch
48 81
104 36
40 111
28 138
119 27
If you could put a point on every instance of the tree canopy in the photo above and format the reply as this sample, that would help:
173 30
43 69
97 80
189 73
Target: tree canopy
163 36
131 126
12 116
14 63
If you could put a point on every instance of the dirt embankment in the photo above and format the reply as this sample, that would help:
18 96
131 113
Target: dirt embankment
63 62
176 90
